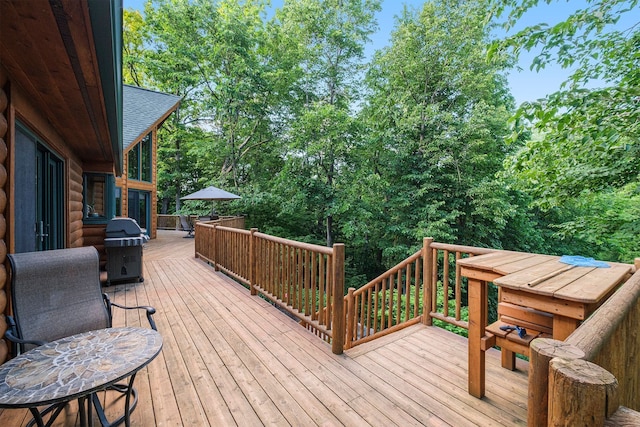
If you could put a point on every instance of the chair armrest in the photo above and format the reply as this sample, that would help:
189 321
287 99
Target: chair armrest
150 310
12 334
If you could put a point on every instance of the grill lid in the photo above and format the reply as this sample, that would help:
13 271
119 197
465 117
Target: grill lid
123 227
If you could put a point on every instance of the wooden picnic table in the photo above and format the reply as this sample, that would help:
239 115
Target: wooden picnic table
568 293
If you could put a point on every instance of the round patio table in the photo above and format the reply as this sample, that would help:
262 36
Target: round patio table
76 367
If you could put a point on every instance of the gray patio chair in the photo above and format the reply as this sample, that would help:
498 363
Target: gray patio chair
55 294
186 226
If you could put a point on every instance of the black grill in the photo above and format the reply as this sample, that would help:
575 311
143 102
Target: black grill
123 243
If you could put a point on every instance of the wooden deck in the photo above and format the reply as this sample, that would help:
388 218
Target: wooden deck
233 359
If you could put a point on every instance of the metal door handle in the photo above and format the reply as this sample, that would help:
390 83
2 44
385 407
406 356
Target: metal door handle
42 234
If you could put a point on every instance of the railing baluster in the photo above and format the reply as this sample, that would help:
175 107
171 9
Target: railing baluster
416 289
329 293
458 287
358 302
445 283
407 293
376 308
300 284
398 296
314 285
368 313
321 293
434 281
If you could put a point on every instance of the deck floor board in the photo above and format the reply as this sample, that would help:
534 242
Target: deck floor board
230 359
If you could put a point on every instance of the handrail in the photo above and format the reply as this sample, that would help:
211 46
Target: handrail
295 244
384 304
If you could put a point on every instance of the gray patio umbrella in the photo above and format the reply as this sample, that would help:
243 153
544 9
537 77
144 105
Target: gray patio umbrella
211 193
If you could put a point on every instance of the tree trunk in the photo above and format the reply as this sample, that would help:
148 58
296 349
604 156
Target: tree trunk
329 231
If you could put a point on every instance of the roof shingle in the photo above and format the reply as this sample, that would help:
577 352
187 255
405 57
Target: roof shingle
142 108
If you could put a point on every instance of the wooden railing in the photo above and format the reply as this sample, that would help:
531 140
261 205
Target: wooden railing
168 222
598 363
396 299
305 280
226 248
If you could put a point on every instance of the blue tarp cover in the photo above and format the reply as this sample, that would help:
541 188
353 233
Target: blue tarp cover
581 261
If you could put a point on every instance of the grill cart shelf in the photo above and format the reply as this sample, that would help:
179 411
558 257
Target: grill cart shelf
123 244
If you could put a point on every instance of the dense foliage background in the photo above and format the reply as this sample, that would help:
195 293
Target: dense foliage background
422 139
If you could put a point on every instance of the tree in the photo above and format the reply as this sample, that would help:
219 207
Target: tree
584 157
438 112
325 41
212 54
132 47
589 129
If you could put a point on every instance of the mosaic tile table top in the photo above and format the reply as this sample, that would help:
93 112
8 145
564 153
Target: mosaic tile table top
75 366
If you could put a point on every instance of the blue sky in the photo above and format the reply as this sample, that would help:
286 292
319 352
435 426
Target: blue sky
525 85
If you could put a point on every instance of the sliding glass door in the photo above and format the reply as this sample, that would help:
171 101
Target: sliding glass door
139 207
39 195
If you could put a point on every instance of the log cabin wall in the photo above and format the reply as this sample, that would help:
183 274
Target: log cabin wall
4 125
94 235
74 217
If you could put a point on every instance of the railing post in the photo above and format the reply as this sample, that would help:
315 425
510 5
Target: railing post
338 321
350 318
196 244
427 291
543 350
580 393
252 262
215 247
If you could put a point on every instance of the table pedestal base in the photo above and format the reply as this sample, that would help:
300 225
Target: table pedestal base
86 405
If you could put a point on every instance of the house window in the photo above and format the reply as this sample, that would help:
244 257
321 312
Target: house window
118 201
99 198
145 159
134 162
139 160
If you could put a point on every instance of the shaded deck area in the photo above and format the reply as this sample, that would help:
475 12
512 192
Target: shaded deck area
233 359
